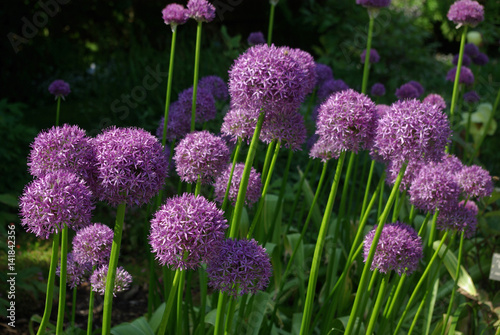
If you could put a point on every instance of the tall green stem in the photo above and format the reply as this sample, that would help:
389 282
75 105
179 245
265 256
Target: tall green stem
366 68
62 282
219 319
91 308
170 302
267 160
169 84
271 24
180 295
58 108
228 187
367 188
196 73
378 303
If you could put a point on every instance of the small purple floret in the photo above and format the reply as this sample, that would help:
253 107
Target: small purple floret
205 104
330 87
475 181
215 85
323 73
460 218
286 126
481 59
76 273
407 91
240 123
471 97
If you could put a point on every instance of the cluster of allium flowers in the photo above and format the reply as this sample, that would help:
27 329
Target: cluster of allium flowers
435 99
216 86
255 38
471 97
201 10
475 181
308 66
287 127
373 58
330 87
399 248
205 104
93 244
466 12
266 77
59 88
412 130
200 155
175 14
241 267
75 272
186 231
253 188
466 75
481 59
374 3
240 123
63 148
179 123
462 217
132 165
99 277
346 122
407 91
378 90
465 60
54 200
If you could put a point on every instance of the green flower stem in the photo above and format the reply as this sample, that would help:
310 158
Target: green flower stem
196 73
54 259
367 188
58 108
267 161
180 296
197 189
311 286
433 230
378 303
271 24
73 308
366 269
366 68
230 314
203 303
235 159
113 262
62 282
170 302
219 319
235 222
283 185
169 83
241 311
380 200
90 318
297 195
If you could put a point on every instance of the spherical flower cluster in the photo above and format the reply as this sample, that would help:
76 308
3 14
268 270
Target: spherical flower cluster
373 58
132 165
436 100
462 217
93 244
465 60
241 267
471 50
99 277
256 38
59 88
186 231
205 104
399 248
323 73
466 75
54 200
216 86
179 123
200 155
346 122
481 59
240 123
75 272
330 87
471 97
407 91
308 66
374 3
254 186
475 181
287 127
378 90
175 14
201 10
466 12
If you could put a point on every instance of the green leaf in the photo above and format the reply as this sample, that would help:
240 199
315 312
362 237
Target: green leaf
156 318
211 316
139 326
309 194
257 313
494 197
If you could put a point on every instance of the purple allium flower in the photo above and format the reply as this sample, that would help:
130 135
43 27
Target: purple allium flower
200 154
435 99
471 97
460 218
287 127
378 90
179 123
253 189
240 123
381 109
407 91
418 86
93 244
214 85
54 200
346 122
399 248
266 78
466 75
241 267
99 277
373 58
475 181
412 130
132 165
392 170
75 272
451 164
321 149
308 66
175 14
186 231
330 87
466 12
323 73
471 50
374 3
481 59
465 60
63 148
59 88
205 104
201 10
255 38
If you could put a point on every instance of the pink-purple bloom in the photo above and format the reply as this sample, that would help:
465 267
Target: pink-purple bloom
175 14
378 90
466 75
466 12
436 100
205 103
254 186
330 87
98 279
201 10
255 38
462 218
407 91
215 85
93 244
59 88
241 267
475 181
239 123
76 273
287 127
186 231
399 248
373 58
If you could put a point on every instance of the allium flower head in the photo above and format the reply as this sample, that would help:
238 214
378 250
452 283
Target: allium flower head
418 86
93 244
460 218
76 273
378 90
466 75
240 123
465 60
287 127
200 154
323 73
399 248
99 277
175 14
54 200
253 189
308 66
381 109
481 59
132 165
346 122
256 38
179 123
407 91
466 12
201 10
215 85
321 149
475 181
374 3
59 88
186 231
435 99
330 87
241 267
471 97
471 50
205 104
373 58
392 171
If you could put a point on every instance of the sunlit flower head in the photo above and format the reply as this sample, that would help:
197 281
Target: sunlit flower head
240 123
201 10
475 181
93 244
466 12
98 279
286 126
462 217
436 100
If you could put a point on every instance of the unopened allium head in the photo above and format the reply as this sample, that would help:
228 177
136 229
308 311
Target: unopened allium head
216 86
286 126
255 38
201 10
174 15
436 100
240 123
253 189
98 279
466 75
186 231
475 181
59 88
378 90
466 12
373 58
93 244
